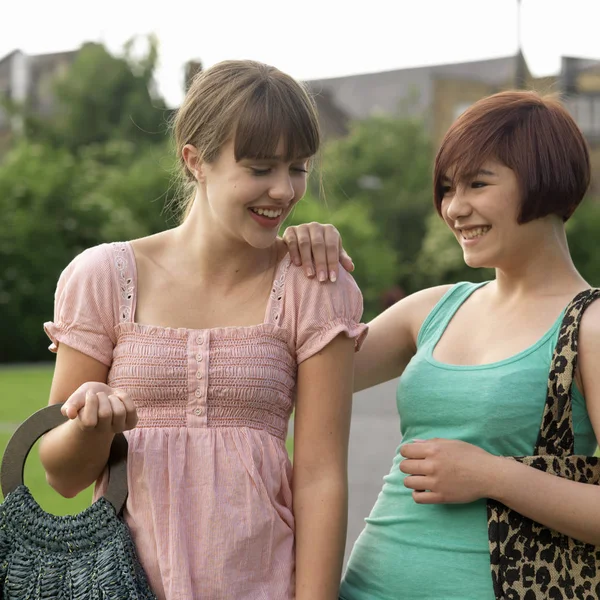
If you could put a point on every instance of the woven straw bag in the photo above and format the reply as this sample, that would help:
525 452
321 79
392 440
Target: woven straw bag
76 557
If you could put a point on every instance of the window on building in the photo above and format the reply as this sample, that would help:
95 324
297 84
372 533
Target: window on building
585 109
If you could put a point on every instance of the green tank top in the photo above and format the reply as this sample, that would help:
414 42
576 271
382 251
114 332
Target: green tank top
409 551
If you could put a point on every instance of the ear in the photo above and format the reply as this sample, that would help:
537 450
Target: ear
193 162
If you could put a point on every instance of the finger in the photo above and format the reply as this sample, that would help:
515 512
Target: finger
304 245
414 450
73 405
317 242
131 412
332 251
291 241
418 482
415 467
421 497
105 413
88 415
345 260
119 414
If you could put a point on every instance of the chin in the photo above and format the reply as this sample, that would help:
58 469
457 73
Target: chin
477 262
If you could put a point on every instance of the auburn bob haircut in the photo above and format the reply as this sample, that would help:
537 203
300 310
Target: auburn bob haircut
531 134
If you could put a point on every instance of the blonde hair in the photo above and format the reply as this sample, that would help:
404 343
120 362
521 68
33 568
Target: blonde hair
251 103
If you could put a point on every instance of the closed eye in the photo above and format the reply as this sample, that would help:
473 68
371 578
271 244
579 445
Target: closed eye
259 172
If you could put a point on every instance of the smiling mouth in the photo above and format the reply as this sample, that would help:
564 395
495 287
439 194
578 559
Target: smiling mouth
477 232
270 214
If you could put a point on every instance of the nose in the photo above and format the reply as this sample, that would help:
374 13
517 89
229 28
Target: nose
282 188
457 205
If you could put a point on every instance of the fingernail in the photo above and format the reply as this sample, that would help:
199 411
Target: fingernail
322 276
309 272
332 276
297 262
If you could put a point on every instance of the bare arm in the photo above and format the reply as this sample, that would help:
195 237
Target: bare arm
392 339
320 484
75 454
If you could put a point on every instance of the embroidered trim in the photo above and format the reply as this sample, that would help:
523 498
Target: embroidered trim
126 286
276 294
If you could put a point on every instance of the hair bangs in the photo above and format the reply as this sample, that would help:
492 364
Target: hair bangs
459 160
273 114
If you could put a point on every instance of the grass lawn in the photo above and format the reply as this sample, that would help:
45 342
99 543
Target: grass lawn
23 390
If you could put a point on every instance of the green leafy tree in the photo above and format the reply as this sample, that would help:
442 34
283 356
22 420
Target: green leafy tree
54 205
583 232
104 97
97 171
384 165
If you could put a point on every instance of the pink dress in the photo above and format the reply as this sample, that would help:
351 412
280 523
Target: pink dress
210 503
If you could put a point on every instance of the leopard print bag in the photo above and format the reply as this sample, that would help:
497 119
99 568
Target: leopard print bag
530 561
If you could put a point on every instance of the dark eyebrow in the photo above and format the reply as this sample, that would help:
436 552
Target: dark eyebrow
486 172
446 179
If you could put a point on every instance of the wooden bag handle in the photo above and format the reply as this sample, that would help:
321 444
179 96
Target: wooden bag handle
32 429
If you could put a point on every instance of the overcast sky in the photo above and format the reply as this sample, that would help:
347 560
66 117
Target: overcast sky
311 38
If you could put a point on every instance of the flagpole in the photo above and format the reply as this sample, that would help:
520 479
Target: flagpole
520 74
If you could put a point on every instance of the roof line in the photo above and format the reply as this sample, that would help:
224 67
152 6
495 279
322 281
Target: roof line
424 66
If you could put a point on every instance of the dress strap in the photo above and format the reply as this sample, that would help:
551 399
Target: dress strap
124 262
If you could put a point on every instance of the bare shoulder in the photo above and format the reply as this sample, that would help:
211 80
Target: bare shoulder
588 375
392 338
413 309
589 330
591 317
428 297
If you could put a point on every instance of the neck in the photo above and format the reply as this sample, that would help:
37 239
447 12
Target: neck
548 269
216 257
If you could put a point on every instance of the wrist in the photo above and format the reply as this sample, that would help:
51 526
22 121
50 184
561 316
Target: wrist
85 436
497 474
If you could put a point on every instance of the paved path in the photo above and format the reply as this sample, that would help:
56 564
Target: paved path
374 437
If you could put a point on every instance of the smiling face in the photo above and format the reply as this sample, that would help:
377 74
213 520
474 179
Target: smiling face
482 211
244 134
248 199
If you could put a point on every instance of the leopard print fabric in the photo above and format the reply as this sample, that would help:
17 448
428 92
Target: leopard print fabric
530 561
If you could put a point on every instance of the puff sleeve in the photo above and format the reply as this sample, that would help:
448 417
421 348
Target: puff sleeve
84 316
318 312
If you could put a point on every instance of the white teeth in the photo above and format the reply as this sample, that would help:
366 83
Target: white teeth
470 234
272 214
